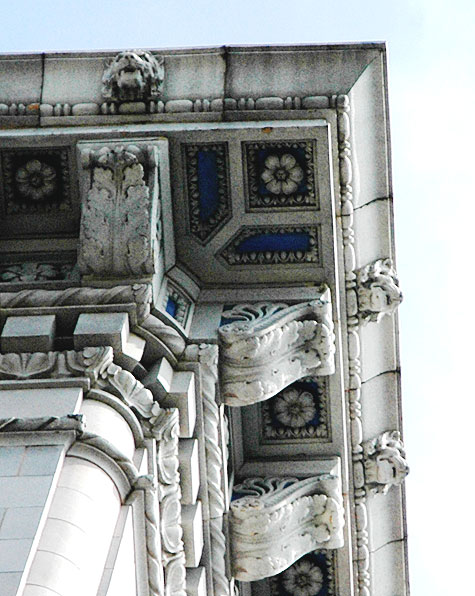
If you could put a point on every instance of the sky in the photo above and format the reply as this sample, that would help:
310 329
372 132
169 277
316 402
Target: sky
432 97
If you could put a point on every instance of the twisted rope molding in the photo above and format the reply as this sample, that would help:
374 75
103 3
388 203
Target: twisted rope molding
138 294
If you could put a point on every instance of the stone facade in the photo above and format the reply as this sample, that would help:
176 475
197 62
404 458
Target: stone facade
199 375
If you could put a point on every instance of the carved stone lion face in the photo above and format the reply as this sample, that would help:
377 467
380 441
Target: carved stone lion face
133 75
385 464
378 290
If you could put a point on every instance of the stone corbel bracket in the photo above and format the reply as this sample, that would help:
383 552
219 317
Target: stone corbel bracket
267 348
281 519
120 208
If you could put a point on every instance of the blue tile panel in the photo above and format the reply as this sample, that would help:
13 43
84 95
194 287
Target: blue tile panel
275 242
207 184
273 245
171 307
207 188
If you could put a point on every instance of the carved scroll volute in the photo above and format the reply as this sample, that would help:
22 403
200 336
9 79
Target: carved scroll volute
271 346
281 519
119 187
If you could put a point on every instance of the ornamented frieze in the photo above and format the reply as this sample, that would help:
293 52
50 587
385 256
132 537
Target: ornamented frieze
280 174
274 521
31 271
273 245
157 106
207 188
133 75
299 412
119 210
264 351
36 181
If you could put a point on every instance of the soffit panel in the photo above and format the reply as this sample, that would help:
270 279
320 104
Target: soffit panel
255 204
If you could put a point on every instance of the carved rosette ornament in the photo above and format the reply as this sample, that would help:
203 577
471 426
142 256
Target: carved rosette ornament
270 346
118 234
377 290
384 462
133 75
278 520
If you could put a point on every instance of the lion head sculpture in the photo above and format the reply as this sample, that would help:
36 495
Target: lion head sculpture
133 75
378 290
384 462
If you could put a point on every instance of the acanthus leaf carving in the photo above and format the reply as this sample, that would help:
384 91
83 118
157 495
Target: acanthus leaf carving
25 366
270 348
119 209
281 519
216 461
148 485
164 427
378 290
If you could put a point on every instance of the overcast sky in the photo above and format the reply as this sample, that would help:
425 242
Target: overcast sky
432 98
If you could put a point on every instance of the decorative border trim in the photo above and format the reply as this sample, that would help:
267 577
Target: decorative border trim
362 569
227 104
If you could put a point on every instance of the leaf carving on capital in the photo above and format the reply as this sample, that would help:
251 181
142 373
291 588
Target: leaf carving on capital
26 366
377 290
119 210
268 347
95 363
278 520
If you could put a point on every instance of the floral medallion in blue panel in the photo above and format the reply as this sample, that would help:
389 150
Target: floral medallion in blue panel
280 174
207 188
312 575
36 181
299 412
273 245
